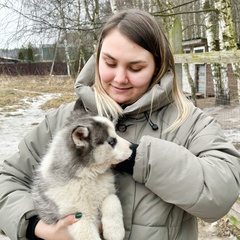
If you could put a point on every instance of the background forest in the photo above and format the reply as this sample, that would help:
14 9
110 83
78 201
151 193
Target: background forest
74 25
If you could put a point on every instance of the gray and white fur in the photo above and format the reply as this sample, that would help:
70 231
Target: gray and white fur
75 176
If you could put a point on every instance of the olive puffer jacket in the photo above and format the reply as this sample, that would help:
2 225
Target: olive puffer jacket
178 176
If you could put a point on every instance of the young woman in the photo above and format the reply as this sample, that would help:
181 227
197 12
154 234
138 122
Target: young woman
183 169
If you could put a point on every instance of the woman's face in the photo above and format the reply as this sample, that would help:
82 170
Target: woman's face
125 68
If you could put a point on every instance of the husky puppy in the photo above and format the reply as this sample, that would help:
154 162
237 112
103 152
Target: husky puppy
75 176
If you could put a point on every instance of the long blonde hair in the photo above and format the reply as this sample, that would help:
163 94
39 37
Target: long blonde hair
143 29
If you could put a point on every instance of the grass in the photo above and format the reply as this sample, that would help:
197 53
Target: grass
65 98
14 89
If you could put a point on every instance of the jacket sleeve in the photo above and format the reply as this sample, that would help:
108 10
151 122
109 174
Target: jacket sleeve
16 205
200 176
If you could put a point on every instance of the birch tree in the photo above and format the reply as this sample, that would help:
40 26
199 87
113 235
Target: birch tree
212 35
46 18
227 41
92 9
224 32
61 6
113 4
212 46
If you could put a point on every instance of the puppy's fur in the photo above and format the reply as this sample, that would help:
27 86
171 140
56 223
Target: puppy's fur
75 176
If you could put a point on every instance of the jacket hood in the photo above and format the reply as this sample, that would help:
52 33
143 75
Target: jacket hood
159 96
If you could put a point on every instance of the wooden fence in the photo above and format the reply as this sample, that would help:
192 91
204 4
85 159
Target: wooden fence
209 57
35 68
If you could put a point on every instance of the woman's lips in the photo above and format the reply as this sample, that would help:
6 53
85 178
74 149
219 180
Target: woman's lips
121 89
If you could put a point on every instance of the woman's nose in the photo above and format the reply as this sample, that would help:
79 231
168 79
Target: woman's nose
120 76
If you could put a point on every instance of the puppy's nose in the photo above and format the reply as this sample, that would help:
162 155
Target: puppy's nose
133 146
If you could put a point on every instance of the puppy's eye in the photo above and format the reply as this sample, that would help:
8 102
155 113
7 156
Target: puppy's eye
112 141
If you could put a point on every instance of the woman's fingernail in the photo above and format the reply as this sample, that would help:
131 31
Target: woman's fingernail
78 215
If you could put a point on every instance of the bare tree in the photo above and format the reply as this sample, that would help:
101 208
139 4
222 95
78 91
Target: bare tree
46 18
212 35
224 33
227 41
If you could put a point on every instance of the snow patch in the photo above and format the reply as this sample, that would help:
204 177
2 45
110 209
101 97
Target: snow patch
19 122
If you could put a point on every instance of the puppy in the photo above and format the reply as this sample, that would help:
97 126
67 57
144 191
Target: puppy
75 176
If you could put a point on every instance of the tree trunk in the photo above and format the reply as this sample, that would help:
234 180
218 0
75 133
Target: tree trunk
227 42
176 43
227 38
55 53
236 70
219 71
64 31
113 4
191 83
212 46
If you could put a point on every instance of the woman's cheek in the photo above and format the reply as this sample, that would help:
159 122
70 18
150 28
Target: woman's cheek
106 75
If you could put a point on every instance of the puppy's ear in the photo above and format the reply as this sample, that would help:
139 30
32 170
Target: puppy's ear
79 134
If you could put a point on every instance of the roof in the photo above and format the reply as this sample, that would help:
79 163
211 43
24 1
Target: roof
8 60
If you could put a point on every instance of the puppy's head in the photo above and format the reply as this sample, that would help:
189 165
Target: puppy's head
97 142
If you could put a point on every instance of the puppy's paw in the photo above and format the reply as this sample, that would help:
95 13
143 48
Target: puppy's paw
114 232
84 230
112 218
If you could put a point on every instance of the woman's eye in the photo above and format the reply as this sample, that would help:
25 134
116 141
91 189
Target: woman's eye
135 69
110 64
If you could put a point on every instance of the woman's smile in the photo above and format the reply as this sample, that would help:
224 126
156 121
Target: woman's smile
121 89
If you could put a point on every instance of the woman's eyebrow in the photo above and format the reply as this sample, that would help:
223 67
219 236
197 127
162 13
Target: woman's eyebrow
108 55
132 62
137 61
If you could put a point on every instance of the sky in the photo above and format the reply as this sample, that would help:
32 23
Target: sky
8 26
10 36
17 31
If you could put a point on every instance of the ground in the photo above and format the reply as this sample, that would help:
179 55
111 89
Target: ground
19 118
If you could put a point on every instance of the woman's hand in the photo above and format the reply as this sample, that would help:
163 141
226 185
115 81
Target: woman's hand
58 231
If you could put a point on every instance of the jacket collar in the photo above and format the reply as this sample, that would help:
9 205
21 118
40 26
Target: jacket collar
159 96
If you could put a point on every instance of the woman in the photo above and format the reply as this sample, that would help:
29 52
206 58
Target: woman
183 169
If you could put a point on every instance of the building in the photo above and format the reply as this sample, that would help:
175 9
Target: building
201 73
